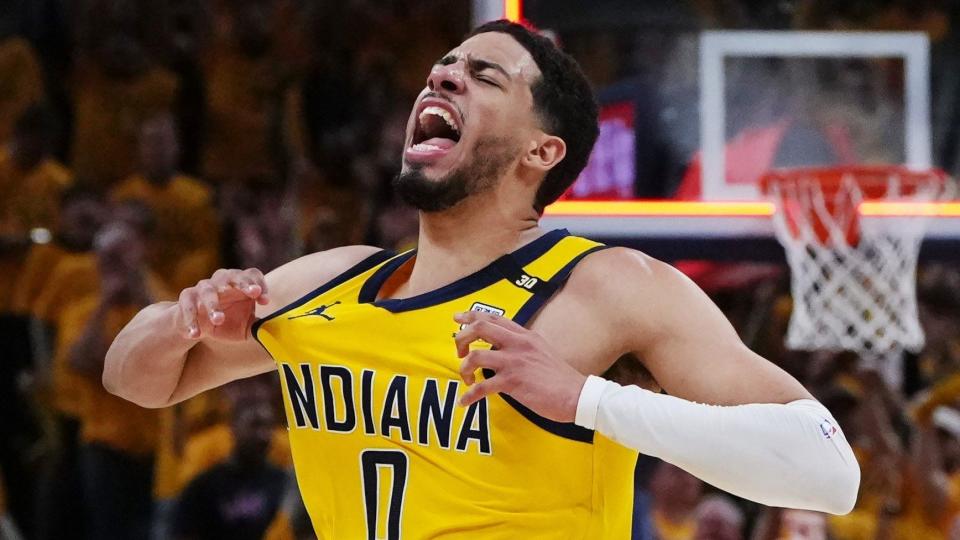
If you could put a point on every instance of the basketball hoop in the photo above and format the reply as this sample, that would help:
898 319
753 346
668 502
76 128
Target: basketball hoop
853 281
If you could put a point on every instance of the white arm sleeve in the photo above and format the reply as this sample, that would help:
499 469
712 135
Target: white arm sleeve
791 455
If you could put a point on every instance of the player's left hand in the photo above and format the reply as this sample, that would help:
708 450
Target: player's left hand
525 364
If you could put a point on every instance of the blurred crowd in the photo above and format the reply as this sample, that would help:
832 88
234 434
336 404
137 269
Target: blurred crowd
901 414
780 112
145 144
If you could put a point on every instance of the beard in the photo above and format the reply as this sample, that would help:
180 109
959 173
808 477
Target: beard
490 159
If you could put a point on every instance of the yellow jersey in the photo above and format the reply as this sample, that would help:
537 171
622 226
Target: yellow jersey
380 448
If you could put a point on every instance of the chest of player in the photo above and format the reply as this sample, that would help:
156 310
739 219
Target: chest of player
354 363
371 390
382 370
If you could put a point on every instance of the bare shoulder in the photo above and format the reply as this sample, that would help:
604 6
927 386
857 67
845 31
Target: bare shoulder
610 273
630 290
298 277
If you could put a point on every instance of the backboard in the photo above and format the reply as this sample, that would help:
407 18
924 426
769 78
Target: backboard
786 99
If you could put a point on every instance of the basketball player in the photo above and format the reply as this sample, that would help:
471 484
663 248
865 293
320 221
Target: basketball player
454 391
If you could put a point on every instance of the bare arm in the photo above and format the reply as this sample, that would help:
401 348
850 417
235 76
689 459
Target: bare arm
929 473
686 342
732 418
172 351
87 353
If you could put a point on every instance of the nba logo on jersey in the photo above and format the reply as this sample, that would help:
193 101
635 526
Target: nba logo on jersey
828 429
484 308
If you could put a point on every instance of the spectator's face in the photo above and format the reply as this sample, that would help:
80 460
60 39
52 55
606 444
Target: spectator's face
134 214
120 250
252 26
672 486
718 521
158 147
802 525
188 21
122 55
79 221
470 123
253 426
28 149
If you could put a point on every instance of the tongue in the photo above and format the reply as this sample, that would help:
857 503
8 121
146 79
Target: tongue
440 142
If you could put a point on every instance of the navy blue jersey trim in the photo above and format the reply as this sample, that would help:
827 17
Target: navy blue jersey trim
537 301
368 292
567 430
515 274
351 272
480 279
526 312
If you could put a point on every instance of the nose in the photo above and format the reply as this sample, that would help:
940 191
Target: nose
448 78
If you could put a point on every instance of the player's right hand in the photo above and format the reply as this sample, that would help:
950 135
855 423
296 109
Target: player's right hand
223 306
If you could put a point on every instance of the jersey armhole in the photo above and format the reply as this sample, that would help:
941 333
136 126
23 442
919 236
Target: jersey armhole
536 302
352 272
531 307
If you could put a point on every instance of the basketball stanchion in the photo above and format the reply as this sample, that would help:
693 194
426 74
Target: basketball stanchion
853 280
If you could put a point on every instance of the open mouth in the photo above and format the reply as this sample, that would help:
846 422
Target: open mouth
437 130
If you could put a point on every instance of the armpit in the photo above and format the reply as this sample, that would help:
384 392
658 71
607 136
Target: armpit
629 370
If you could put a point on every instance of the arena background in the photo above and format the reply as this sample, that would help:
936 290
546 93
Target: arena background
146 144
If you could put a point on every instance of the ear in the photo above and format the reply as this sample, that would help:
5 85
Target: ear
543 154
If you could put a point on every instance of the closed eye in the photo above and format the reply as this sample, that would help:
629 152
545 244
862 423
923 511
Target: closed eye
487 80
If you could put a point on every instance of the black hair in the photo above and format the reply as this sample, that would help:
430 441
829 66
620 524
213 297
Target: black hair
80 191
35 120
564 101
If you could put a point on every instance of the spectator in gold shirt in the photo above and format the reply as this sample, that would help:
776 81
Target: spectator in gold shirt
65 272
30 185
183 247
30 178
251 98
118 438
239 497
21 85
116 88
675 495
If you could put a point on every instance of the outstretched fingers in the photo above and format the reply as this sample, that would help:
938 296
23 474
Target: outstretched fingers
188 313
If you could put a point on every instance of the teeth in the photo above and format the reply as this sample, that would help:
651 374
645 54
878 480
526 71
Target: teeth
442 113
424 147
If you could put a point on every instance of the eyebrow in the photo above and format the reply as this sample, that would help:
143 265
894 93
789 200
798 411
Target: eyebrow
474 64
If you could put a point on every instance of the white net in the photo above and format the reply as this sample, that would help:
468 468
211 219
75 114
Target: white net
853 281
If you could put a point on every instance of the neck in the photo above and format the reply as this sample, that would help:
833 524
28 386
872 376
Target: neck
248 463
158 178
27 164
24 161
459 241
